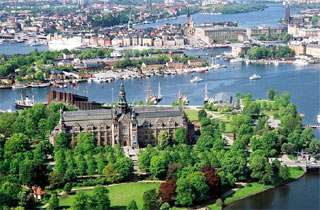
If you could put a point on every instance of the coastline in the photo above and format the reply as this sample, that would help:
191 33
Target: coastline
273 187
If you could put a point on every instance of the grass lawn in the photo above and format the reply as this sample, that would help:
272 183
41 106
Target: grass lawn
246 191
269 113
119 195
295 173
257 187
192 115
292 156
214 207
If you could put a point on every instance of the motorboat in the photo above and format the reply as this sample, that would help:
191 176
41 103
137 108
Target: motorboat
196 79
318 118
255 77
301 62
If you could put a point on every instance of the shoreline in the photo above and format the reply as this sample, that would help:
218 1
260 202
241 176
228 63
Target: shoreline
273 187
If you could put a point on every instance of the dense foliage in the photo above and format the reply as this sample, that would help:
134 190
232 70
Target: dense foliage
256 53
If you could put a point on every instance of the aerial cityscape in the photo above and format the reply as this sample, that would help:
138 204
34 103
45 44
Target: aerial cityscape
159 104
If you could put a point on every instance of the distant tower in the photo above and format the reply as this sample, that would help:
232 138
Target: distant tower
149 4
188 18
287 17
122 102
130 20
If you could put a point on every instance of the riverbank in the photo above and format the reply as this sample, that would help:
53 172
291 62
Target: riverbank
254 188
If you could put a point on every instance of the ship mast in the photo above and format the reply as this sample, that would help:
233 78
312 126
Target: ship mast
159 90
206 91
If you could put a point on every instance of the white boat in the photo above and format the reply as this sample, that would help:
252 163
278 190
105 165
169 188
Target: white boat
236 60
97 80
90 80
276 63
318 118
16 87
40 85
255 77
196 79
301 62
27 103
65 43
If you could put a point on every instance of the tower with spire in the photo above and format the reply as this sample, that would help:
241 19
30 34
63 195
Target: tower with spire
130 20
188 18
122 102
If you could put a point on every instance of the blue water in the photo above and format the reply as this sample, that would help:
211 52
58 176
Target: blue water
268 16
21 48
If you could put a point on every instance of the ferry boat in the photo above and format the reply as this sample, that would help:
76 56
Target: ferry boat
196 79
255 77
18 86
40 85
23 104
301 62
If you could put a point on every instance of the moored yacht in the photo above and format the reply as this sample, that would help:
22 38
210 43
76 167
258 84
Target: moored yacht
255 77
301 62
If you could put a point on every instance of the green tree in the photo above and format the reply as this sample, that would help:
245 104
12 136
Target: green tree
185 194
164 139
284 172
124 168
205 142
67 187
201 114
110 172
56 179
314 147
200 188
60 161
150 199
25 200
81 201
100 198
53 202
26 172
158 166
287 148
180 136
132 205
62 142
17 143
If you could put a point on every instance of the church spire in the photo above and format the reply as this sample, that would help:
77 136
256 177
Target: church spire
122 102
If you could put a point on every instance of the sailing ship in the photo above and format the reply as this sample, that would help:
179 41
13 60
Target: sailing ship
182 99
206 98
154 99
